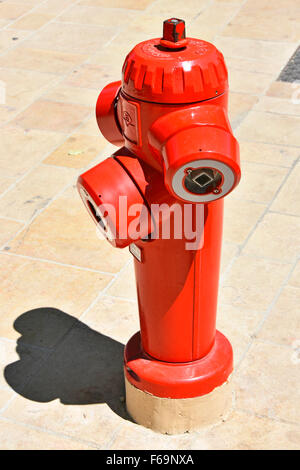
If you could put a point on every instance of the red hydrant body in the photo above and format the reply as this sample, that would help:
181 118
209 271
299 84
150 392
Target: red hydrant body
169 115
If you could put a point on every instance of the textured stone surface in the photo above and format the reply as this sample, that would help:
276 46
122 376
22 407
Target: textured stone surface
291 71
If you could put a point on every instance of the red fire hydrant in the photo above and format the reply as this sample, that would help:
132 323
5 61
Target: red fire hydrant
177 161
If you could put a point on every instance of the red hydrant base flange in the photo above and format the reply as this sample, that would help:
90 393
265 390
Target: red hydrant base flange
178 380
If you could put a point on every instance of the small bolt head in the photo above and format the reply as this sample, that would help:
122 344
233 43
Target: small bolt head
174 30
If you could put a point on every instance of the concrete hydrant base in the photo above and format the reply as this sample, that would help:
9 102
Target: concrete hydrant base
178 415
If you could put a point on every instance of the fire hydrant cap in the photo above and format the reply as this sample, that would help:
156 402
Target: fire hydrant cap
174 69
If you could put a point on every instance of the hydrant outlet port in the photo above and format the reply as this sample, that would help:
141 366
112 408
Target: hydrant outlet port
99 219
202 180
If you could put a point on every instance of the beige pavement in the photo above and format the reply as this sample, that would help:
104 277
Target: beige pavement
67 301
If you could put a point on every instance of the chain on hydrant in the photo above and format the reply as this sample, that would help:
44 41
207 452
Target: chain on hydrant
169 117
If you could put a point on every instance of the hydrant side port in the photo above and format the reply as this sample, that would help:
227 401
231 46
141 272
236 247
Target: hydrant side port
106 114
121 181
201 133
169 116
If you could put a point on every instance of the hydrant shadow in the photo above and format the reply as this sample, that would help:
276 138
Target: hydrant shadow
62 358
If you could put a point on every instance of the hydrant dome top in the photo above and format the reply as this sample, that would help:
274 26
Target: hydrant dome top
166 70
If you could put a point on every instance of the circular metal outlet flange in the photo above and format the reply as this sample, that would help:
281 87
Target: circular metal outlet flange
207 181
